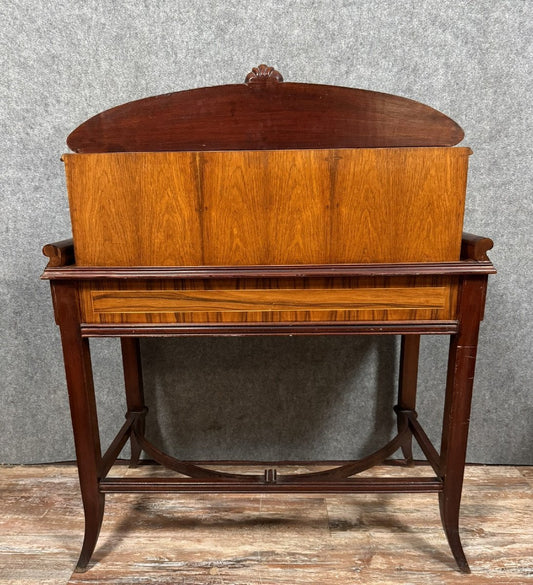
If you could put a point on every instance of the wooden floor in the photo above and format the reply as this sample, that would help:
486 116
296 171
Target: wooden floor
264 539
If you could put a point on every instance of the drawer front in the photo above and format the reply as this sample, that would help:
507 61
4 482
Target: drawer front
269 300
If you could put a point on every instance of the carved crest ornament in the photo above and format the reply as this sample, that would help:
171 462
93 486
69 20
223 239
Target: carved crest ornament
263 73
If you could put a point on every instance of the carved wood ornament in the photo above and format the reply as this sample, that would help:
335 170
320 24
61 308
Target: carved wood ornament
263 73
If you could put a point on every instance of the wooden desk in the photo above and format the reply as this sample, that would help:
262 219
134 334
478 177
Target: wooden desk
269 208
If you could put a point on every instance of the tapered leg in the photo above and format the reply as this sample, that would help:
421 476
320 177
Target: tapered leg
409 352
461 366
133 382
83 413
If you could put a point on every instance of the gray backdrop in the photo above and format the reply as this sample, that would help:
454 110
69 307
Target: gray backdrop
65 61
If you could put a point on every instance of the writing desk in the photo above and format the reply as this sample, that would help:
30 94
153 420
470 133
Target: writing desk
269 208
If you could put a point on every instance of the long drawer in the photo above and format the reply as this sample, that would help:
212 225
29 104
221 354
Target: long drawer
252 300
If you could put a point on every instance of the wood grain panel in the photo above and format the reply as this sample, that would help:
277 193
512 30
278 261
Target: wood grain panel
398 204
299 215
170 226
143 301
269 300
267 207
234 204
133 208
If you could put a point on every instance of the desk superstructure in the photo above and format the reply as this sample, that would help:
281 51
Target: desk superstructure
269 208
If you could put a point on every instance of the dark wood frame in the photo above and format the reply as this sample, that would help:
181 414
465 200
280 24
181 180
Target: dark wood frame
470 273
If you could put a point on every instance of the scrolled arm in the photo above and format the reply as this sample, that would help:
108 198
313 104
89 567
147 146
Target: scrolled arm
59 253
475 247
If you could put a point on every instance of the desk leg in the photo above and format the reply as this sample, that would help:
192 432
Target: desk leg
461 366
79 377
133 382
410 347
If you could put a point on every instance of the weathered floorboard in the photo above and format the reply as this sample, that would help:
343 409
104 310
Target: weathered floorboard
245 539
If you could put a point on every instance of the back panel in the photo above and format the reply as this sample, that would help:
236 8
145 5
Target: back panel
267 207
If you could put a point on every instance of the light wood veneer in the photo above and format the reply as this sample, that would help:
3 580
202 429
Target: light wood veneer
267 207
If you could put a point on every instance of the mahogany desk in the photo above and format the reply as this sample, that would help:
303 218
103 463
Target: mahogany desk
269 208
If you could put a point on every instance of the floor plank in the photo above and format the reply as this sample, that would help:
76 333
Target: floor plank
265 539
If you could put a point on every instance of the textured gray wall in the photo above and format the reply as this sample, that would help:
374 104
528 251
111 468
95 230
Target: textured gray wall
62 62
